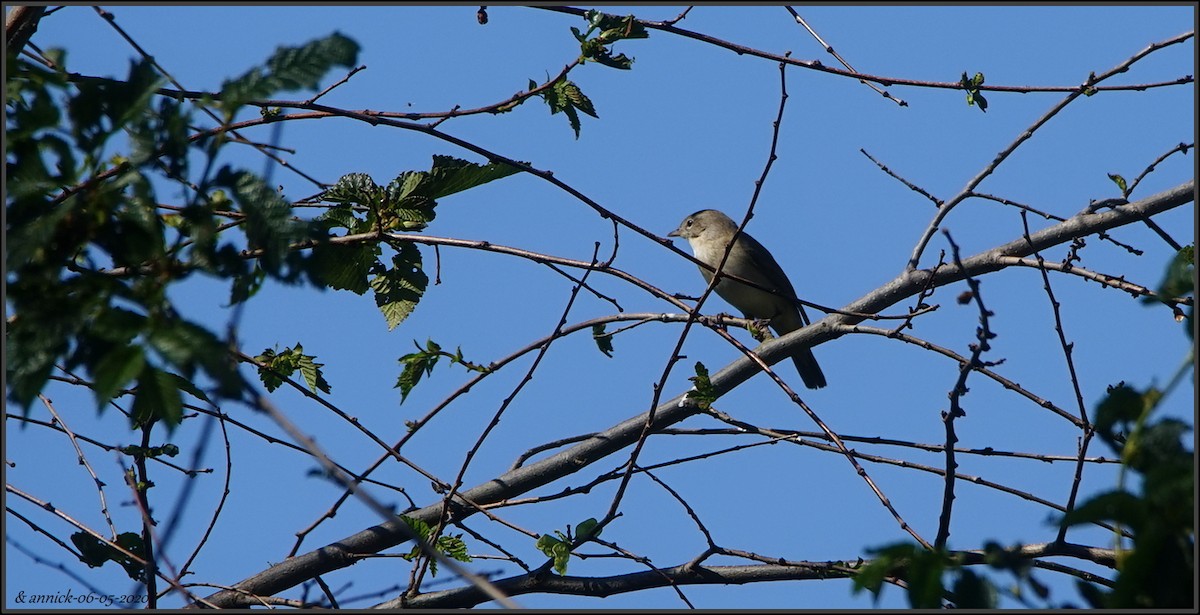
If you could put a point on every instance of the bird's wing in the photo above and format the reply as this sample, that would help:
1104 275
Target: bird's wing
776 278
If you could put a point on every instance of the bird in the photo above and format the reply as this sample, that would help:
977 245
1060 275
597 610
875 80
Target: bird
709 231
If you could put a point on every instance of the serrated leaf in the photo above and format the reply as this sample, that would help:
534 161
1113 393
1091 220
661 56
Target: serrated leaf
353 189
416 365
450 175
578 99
343 266
397 290
311 371
290 68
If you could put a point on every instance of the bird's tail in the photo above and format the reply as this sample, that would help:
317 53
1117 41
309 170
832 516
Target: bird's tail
806 363
810 370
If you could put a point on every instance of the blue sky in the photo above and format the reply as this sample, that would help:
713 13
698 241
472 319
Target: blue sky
687 128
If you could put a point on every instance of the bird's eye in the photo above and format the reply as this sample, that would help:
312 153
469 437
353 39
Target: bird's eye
689 222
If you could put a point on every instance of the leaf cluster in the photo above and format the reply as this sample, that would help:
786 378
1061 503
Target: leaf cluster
974 96
421 363
608 29
559 546
450 545
91 257
275 366
406 203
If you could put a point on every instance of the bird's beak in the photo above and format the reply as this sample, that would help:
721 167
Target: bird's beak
674 233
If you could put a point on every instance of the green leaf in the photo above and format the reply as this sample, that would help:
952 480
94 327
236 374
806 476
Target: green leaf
103 107
924 576
188 346
277 366
449 175
311 370
416 365
116 369
603 340
354 189
246 285
974 96
1120 182
155 399
566 97
702 392
1119 506
268 223
341 216
290 68
397 290
343 266
1178 282
580 101
556 550
1121 406
588 529
972 591
187 386
451 546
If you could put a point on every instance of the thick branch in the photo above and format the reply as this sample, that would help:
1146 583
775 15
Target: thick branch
542 581
20 24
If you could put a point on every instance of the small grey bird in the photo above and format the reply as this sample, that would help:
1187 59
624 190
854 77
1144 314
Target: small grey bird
709 231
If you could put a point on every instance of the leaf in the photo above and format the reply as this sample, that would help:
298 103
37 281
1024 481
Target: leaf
343 266
246 285
1120 182
452 546
557 550
95 553
268 224
416 365
277 366
588 529
702 392
1119 506
103 107
566 97
354 189
603 340
188 346
449 175
972 591
155 399
398 290
114 370
1122 405
311 371
580 101
290 68
187 386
